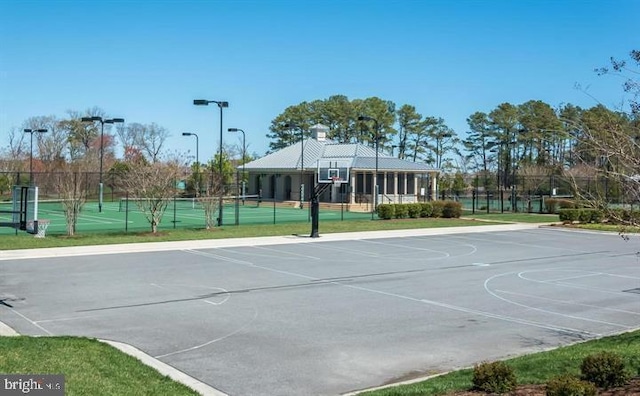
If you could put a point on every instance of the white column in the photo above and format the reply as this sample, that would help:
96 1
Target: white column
352 195
395 183
404 184
434 182
384 184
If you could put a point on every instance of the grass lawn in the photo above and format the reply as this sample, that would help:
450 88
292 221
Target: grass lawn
90 367
512 217
536 368
26 241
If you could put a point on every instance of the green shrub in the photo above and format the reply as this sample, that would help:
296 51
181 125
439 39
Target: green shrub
413 209
386 211
452 210
437 208
426 210
401 211
567 204
597 216
632 216
494 377
568 385
569 215
605 369
584 215
551 205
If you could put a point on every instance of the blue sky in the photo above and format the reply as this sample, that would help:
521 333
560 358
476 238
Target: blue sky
146 61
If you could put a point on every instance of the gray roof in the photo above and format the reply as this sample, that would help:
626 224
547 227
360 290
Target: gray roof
362 158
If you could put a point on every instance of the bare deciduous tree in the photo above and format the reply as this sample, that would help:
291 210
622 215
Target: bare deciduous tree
16 151
148 138
71 185
209 199
152 186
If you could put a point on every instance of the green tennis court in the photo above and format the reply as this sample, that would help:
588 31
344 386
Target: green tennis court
121 216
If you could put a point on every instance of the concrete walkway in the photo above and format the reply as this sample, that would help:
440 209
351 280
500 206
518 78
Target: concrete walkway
257 241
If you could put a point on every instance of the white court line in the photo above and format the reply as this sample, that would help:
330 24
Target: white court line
445 254
567 302
495 316
83 217
571 285
31 321
573 277
64 319
510 319
245 252
286 252
98 219
486 287
527 245
223 258
334 248
193 348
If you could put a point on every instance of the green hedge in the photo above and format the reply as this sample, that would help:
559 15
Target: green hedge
437 207
446 209
452 209
386 211
426 210
414 209
589 215
401 210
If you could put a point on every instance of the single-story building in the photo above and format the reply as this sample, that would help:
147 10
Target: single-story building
280 175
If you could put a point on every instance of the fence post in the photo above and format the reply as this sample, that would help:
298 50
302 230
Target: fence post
473 202
126 212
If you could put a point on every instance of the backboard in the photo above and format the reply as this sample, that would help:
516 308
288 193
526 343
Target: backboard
334 171
25 208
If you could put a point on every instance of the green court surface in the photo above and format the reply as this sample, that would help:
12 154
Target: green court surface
184 214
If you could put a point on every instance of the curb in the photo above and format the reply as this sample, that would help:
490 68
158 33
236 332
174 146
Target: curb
165 369
6 331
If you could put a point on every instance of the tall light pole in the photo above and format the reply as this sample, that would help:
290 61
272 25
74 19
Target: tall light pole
375 176
221 105
102 122
31 132
197 161
244 155
439 152
294 126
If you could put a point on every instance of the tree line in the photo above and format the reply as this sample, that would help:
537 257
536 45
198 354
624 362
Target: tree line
528 138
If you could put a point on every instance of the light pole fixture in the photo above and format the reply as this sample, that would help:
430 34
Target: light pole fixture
102 122
375 177
197 161
244 155
31 132
221 105
293 126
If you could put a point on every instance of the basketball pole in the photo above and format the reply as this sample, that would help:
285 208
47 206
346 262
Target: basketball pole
315 206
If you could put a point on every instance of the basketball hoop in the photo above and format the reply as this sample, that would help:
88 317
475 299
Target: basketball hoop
336 181
42 228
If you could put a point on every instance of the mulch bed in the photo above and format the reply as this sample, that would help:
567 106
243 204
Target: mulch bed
632 388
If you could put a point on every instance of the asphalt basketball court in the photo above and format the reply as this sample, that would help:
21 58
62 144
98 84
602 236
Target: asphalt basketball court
325 316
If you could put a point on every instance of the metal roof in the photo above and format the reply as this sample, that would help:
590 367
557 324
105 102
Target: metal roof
363 158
